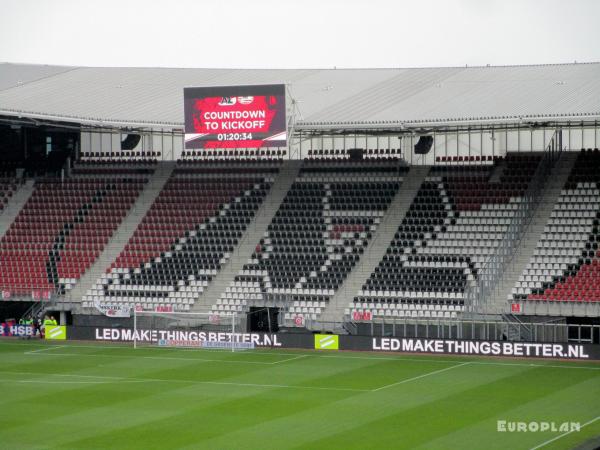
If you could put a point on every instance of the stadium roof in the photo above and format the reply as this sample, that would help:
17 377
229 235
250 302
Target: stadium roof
325 98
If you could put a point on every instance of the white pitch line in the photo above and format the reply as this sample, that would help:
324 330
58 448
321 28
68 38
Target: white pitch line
316 355
419 377
176 358
76 354
70 381
485 363
373 358
549 441
46 349
222 383
103 377
265 351
282 386
289 359
258 351
123 346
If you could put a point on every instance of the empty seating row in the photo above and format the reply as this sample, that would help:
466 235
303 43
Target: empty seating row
370 154
565 266
232 155
62 229
468 159
188 233
123 156
457 219
317 235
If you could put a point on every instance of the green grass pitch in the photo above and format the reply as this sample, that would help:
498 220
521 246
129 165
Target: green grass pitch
86 396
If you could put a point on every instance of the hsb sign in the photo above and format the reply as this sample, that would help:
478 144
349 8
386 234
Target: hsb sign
16 330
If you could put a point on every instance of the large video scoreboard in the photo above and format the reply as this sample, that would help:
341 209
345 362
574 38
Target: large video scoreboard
235 116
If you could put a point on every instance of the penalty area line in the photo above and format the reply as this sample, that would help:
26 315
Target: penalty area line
112 379
45 349
161 358
176 358
288 359
408 380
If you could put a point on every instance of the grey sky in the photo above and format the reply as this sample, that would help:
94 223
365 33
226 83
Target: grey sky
298 33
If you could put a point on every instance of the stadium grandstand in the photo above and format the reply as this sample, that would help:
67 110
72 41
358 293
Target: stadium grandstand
194 246
448 196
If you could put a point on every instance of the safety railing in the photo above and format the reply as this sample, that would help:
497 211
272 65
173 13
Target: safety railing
480 329
479 295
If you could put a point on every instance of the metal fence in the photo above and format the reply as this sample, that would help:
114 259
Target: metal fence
488 330
478 297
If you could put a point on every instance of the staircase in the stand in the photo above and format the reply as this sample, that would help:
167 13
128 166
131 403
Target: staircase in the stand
551 192
14 205
516 330
125 230
377 247
254 233
497 172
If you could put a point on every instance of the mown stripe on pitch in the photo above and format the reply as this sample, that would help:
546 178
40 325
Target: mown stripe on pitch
232 408
62 400
62 415
201 419
316 372
155 404
307 429
128 350
568 403
165 368
336 407
421 424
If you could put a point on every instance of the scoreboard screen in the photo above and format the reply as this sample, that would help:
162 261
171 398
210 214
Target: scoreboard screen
235 116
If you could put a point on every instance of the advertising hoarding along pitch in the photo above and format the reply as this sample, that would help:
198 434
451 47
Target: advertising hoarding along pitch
16 330
235 116
327 342
58 332
399 345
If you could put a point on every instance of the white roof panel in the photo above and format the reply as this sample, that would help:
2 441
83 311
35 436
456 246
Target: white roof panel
12 75
324 97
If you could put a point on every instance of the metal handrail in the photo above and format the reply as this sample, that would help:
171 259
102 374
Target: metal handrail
477 297
471 329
